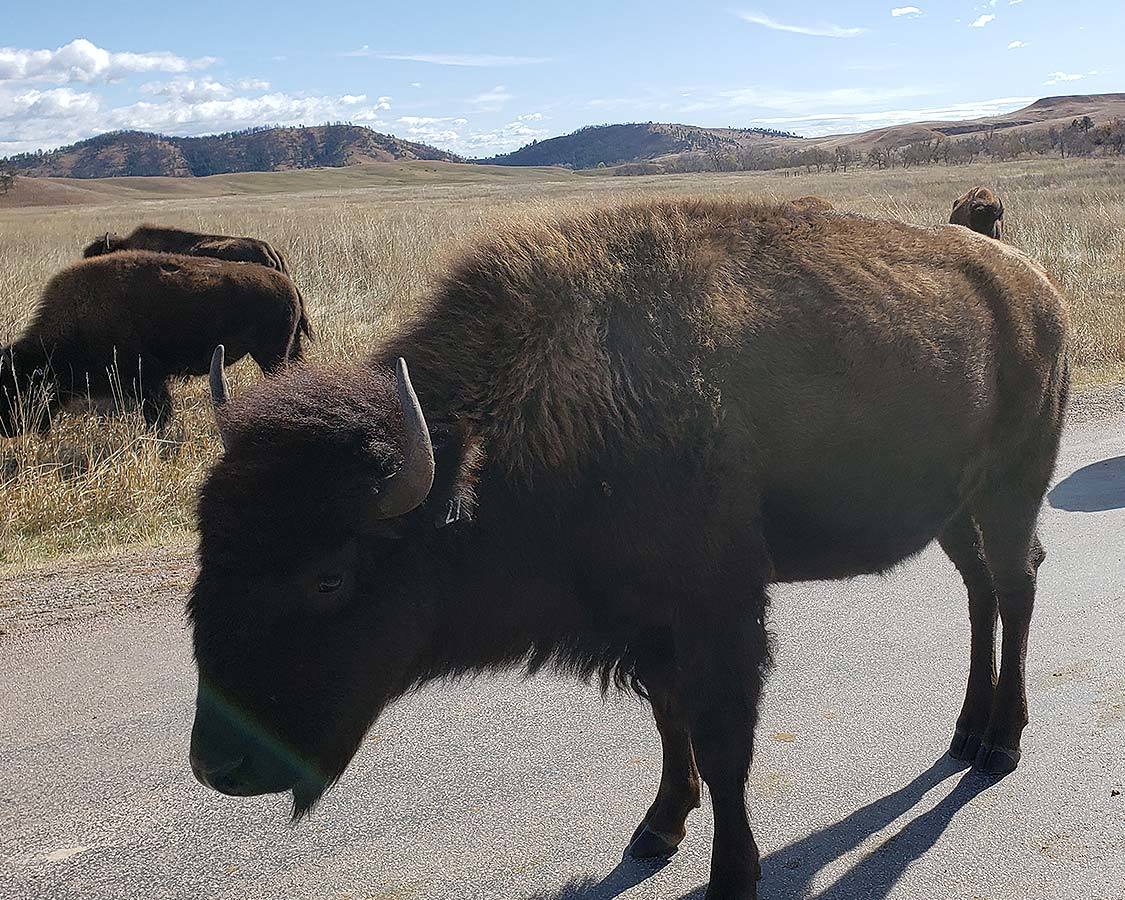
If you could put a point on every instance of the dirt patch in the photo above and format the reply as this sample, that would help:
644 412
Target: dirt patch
39 598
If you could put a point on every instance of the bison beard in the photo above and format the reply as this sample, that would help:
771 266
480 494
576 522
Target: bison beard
637 420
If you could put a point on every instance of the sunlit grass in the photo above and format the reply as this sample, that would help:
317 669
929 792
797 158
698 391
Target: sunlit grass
361 255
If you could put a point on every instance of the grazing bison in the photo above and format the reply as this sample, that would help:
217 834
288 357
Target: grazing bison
159 317
981 210
616 432
161 239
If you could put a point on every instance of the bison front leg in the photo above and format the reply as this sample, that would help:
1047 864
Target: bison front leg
724 651
961 542
665 824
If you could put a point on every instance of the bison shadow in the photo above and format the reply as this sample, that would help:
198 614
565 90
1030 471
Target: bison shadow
626 874
1097 487
789 871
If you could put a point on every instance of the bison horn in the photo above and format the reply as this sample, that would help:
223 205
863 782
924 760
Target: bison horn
220 391
107 246
408 488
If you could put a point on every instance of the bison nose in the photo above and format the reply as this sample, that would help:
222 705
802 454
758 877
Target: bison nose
215 774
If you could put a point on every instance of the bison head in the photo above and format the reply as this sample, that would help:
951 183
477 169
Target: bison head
303 628
981 210
107 243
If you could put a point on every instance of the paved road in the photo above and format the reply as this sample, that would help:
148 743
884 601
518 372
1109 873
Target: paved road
512 789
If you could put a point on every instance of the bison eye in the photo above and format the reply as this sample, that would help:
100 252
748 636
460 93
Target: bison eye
330 583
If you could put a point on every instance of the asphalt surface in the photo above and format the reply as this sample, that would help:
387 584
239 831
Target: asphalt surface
529 789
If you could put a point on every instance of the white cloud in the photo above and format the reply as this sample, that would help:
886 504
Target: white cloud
530 117
1059 77
906 11
1016 45
82 61
822 29
1014 2
981 21
481 60
35 119
492 100
817 124
795 102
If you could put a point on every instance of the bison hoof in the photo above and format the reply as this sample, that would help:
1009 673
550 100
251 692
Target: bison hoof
997 760
649 844
964 746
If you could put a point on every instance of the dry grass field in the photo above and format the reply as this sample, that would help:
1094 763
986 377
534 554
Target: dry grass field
362 249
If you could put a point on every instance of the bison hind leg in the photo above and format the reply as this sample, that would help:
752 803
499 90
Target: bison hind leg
664 826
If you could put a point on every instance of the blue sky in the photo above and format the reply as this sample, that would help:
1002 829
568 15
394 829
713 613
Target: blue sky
487 77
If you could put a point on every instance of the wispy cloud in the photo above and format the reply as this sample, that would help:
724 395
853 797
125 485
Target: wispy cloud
83 61
820 29
491 100
476 60
981 21
1060 77
816 124
1016 45
906 11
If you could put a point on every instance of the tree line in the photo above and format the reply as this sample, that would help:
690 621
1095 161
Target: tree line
1082 138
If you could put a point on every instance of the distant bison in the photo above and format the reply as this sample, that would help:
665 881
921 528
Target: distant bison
981 210
191 243
616 431
162 239
158 316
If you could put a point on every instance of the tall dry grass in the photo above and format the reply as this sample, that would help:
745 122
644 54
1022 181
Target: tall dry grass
362 256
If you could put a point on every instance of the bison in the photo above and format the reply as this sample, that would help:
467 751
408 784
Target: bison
162 239
981 210
616 431
157 316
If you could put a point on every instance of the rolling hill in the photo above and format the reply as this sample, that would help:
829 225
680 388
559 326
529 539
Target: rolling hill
131 153
611 145
655 143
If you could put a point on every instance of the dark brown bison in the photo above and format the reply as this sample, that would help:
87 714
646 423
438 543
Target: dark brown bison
161 239
157 316
981 210
616 432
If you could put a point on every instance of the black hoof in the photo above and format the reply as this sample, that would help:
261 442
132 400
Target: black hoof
997 760
648 844
964 746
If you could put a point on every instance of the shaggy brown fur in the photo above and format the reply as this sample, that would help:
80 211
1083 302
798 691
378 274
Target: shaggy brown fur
162 239
159 316
642 417
981 210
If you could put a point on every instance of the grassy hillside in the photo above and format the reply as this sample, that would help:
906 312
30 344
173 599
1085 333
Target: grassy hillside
137 153
610 145
671 147
101 191
363 252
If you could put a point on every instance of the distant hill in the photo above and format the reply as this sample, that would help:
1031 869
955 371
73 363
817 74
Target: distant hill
654 147
1056 112
126 153
611 145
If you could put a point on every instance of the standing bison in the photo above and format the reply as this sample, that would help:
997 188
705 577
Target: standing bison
981 210
616 432
153 316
